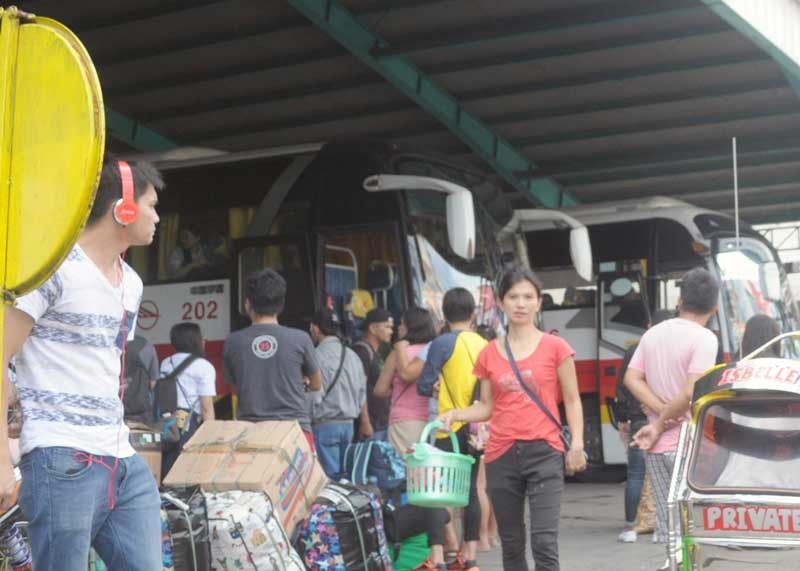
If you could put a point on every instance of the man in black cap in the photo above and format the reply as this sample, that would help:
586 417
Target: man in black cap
343 395
372 348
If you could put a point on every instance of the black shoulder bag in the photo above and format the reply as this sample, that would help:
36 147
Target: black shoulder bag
564 432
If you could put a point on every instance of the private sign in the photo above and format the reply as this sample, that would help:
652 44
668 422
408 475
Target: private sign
754 519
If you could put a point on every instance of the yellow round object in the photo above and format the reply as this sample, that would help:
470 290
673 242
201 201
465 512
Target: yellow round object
53 136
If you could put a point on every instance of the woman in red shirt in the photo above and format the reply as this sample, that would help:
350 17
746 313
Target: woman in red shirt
525 456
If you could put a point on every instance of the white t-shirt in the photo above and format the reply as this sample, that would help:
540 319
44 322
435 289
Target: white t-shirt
197 380
68 369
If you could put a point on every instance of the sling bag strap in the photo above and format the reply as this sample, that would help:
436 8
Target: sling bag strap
472 362
534 397
338 372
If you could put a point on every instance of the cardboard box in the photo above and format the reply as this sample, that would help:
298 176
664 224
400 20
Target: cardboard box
148 445
153 459
271 456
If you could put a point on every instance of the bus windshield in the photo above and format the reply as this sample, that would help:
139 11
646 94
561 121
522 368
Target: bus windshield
742 277
436 267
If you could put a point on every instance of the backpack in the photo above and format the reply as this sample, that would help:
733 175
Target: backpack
374 459
166 394
137 397
166 405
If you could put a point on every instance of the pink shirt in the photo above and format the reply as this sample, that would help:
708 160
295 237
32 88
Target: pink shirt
406 403
667 354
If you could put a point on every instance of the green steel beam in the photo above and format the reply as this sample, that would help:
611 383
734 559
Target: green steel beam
341 25
134 134
791 68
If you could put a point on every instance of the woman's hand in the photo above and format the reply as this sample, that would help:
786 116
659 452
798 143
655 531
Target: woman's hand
575 461
447 418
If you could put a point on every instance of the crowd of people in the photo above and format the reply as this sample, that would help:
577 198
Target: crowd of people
83 484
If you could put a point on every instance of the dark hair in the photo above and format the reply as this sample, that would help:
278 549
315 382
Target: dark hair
109 190
327 321
419 325
486 331
266 290
699 291
514 275
187 338
458 305
760 329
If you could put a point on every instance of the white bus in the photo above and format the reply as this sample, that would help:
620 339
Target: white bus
350 225
641 248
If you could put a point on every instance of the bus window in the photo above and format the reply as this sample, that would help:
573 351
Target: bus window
290 259
437 268
742 284
362 271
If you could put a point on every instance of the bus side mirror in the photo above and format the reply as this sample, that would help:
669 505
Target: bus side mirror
461 224
771 281
580 250
460 209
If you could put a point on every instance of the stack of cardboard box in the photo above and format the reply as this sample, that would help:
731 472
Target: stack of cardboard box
271 456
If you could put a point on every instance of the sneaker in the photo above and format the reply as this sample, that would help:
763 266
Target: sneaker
627 536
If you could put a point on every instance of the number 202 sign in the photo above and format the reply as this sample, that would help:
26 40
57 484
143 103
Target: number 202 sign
206 303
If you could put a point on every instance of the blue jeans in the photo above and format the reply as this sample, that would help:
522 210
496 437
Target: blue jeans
65 497
331 440
634 483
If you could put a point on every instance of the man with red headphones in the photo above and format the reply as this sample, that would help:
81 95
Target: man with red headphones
82 483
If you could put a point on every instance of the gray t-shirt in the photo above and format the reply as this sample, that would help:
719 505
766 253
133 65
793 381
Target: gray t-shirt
345 400
266 363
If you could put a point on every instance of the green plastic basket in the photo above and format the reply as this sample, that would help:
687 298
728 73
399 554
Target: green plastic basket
438 479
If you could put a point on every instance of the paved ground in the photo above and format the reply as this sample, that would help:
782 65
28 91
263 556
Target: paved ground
591 516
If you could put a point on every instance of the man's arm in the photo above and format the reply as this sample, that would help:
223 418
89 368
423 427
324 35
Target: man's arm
18 325
383 387
315 381
311 368
636 383
440 351
672 412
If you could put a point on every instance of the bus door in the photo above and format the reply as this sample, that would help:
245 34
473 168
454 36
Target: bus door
362 267
622 316
291 257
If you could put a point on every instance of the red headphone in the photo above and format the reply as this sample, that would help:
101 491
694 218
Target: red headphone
125 210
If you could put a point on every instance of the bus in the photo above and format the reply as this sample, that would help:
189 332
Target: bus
641 248
352 225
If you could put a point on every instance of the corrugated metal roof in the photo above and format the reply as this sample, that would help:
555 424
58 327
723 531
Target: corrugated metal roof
612 99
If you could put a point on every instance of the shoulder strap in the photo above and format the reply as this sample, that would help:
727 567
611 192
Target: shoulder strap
180 368
338 372
471 360
534 397
368 347
175 373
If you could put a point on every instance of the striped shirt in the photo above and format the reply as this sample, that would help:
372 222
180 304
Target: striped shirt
68 369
